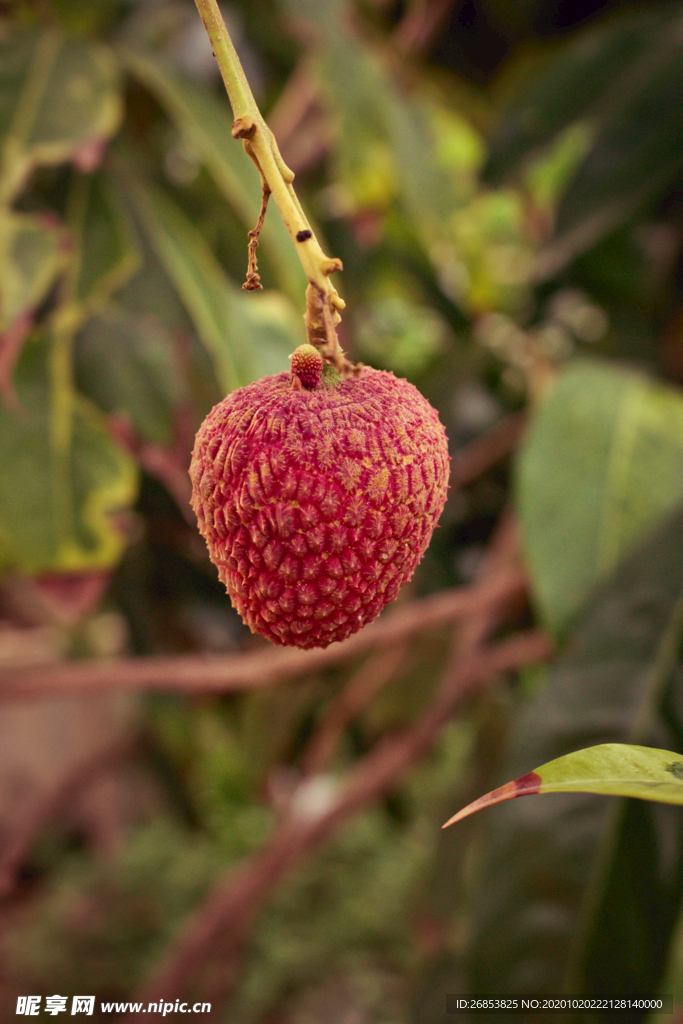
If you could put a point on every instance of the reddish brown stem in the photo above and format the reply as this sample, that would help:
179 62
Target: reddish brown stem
361 689
218 931
419 25
262 667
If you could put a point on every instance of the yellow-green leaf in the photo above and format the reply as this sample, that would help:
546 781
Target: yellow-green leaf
611 769
31 255
61 490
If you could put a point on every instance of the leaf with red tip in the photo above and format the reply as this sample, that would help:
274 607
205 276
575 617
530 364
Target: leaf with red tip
613 769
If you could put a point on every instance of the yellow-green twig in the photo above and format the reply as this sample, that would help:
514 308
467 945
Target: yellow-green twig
260 144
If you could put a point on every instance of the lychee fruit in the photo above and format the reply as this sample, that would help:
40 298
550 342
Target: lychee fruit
318 498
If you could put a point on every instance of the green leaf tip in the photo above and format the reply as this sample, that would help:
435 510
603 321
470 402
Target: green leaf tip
611 769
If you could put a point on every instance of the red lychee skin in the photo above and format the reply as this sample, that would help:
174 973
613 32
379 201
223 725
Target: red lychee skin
317 505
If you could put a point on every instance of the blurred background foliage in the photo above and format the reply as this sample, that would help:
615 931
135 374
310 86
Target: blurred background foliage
504 184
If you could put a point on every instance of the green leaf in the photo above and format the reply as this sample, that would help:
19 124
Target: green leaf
635 895
207 293
517 20
61 489
206 123
578 891
125 364
612 769
148 302
31 255
106 251
635 156
59 101
404 336
239 330
601 464
579 82
393 152
274 330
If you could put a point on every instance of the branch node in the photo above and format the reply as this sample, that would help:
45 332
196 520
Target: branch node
243 128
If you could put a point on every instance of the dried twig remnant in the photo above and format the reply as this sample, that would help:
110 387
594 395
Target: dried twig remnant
253 281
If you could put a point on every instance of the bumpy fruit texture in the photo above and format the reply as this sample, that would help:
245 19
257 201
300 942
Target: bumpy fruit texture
307 365
317 503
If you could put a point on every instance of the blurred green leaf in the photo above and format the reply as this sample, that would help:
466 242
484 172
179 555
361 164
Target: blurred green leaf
582 81
274 330
106 252
636 154
240 331
487 264
31 255
404 337
515 19
207 293
151 302
458 147
125 364
392 153
625 78
149 293
611 769
59 101
601 464
207 124
57 503
547 177
359 96
635 893
557 874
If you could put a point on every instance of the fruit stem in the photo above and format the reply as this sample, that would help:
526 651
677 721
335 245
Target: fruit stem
259 142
